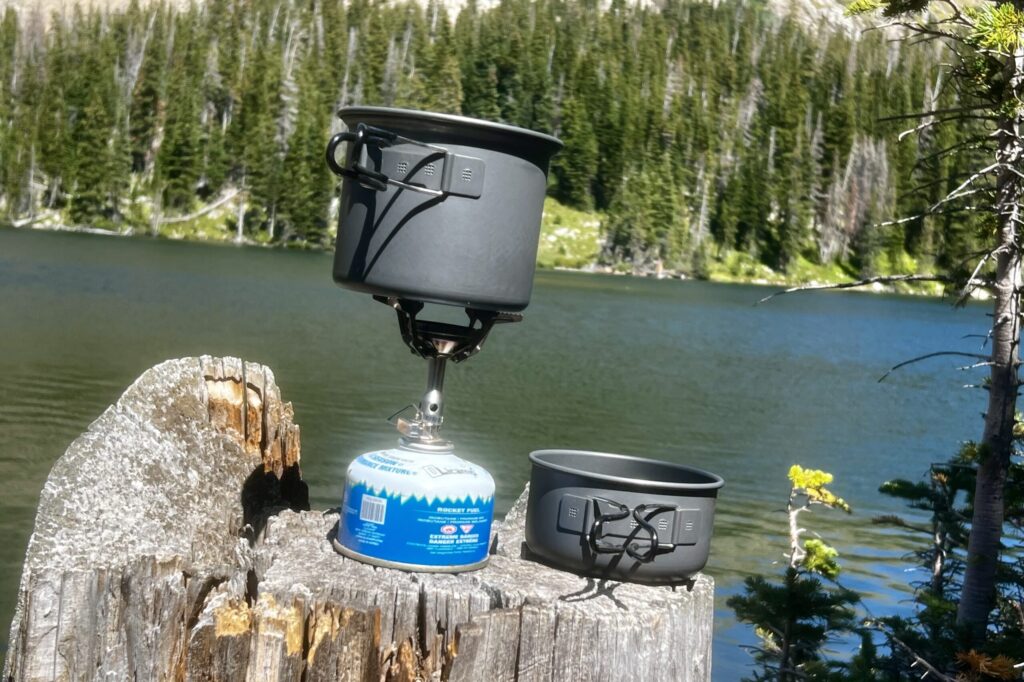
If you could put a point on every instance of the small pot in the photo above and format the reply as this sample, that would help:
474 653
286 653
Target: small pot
439 208
621 517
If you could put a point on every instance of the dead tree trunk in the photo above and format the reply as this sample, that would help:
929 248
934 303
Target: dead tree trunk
978 595
171 543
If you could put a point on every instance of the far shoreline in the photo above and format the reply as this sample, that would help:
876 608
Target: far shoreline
589 269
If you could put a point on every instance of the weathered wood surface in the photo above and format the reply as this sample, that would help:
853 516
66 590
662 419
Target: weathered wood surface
170 543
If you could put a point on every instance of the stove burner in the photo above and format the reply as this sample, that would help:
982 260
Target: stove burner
442 340
437 342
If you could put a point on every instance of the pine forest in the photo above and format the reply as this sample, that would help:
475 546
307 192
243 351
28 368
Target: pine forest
697 132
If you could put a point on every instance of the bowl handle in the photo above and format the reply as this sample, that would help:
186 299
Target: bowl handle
642 514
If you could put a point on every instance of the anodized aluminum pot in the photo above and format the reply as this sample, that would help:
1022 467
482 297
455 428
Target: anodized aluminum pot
620 517
439 208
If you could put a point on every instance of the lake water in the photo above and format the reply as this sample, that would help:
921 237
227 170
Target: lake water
686 371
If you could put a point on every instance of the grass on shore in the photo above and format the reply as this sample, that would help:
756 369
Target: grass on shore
572 239
568 238
738 267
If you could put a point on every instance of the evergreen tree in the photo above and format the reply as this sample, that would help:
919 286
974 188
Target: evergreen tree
476 66
443 76
762 125
796 617
258 148
576 167
98 179
304 205
92 190
8 44
989 76
149 96
180 160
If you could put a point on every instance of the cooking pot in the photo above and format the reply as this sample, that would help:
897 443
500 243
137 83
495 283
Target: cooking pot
621 517
439 208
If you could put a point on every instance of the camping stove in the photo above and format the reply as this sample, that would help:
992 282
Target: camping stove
443 209
418 506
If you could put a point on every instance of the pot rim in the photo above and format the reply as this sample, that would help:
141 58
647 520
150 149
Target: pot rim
449 119
716 482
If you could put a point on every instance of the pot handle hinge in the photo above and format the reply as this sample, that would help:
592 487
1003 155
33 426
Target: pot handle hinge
370 136
642 514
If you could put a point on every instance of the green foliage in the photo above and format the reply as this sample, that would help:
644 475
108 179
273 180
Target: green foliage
576 167
304 205
821 558
812 482
864 6
178 162
443 73
568 238
795 618
698 131
997 27
97 173
931 630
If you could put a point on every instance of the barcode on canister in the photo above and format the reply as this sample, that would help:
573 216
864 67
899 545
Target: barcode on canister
372 509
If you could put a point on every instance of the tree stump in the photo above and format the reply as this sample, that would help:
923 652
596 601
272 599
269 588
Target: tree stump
173 541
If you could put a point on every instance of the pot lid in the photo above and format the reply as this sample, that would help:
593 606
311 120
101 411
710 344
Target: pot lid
450 121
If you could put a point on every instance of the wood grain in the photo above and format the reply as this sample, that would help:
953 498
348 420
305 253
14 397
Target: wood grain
172 542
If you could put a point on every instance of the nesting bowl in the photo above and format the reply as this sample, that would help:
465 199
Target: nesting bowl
621 517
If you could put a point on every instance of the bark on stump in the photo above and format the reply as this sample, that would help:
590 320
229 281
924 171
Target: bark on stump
171 542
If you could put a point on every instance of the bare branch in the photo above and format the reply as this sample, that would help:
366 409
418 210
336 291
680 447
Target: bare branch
890 223
33 219
968 144
893 520
994 53
198 214
953 196
1009 167
938 121
976 365
918 659
966 291
924 39
958 16
974 176
976 356
887 279
930 29
934 112
951 210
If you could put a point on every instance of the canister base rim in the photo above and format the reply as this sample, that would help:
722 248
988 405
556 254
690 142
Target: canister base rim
412 568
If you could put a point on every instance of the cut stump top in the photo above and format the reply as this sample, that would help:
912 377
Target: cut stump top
172 542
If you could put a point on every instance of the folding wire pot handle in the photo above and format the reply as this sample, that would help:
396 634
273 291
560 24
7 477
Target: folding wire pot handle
366 135
642 515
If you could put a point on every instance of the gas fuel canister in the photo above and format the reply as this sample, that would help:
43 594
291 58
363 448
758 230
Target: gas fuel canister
417 508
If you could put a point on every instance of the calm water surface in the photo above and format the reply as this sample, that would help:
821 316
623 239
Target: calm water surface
685 371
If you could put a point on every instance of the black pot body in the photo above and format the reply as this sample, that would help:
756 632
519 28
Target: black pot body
475 246
561 518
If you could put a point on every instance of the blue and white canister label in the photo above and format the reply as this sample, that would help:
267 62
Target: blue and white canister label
406 510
